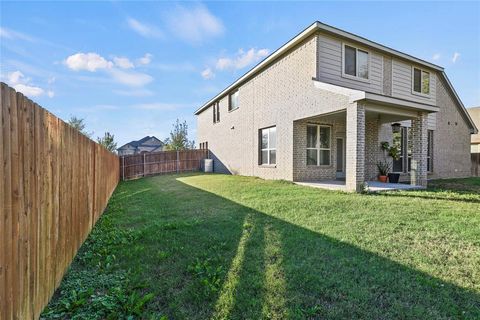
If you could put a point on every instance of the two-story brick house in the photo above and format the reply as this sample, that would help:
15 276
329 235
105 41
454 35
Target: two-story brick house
319 107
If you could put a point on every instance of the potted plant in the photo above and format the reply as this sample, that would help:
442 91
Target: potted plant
394 152
383 170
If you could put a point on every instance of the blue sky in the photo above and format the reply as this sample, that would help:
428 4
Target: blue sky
133 68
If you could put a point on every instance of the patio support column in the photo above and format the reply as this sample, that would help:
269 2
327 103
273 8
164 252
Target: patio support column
418 172
355 145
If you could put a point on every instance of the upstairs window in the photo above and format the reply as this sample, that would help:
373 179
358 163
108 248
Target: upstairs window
355 62
268 146
233 100
421 81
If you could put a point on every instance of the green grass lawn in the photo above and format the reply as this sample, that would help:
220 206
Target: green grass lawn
229 247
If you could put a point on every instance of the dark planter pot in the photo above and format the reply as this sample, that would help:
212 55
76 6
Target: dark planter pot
393 177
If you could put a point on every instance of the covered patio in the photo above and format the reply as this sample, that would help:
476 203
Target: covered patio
340 150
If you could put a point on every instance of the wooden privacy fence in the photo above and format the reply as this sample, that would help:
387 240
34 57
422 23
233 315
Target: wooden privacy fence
475 164
146 164
54 185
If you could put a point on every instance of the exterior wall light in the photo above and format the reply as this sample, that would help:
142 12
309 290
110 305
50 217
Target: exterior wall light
396 127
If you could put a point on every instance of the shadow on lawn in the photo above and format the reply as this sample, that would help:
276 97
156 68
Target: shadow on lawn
225 260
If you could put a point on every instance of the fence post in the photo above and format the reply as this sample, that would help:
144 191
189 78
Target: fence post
178 162
144 164
123 168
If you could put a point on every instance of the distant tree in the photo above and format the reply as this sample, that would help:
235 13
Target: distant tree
178 139
108 141
79 124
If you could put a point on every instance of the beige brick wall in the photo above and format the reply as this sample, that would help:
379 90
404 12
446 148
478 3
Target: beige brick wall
355 155
282 93
451 156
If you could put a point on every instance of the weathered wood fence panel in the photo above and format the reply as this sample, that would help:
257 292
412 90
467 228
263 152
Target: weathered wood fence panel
475 164
147 164
54 185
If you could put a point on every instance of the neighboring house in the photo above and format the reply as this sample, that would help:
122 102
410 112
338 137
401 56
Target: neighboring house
475 141
319 107
147 144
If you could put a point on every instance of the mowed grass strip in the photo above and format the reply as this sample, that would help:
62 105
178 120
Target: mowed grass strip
232 247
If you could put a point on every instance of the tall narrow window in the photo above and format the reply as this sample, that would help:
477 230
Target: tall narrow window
214 108
421 81
430 151
233 100
216 112
318 145
355 62
268 146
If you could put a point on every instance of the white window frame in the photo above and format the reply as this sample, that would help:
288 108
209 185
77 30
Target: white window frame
356 77
268 149
236 91
427 95
317 145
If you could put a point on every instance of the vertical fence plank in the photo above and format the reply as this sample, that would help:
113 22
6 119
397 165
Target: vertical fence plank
54 185
6 206
15 201
2 226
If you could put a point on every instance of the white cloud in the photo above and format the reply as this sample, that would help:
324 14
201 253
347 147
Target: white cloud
146 59
87 61
123 62
93 62
15 77
11 34
208 74
134 79
30 91
194 24
455 57
143 29
242 59
22 84
436 57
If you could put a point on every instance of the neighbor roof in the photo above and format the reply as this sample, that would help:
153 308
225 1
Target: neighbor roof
136 143
318 26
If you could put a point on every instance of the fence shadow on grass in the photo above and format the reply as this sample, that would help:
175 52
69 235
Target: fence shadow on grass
205 256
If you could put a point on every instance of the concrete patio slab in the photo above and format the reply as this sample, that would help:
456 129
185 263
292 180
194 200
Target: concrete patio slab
372 186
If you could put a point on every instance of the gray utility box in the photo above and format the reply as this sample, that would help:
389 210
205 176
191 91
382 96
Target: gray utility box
208 165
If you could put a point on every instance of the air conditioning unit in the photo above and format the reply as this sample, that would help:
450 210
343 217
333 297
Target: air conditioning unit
208 165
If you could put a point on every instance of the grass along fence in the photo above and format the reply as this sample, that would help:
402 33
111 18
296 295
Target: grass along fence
147 164
54 185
